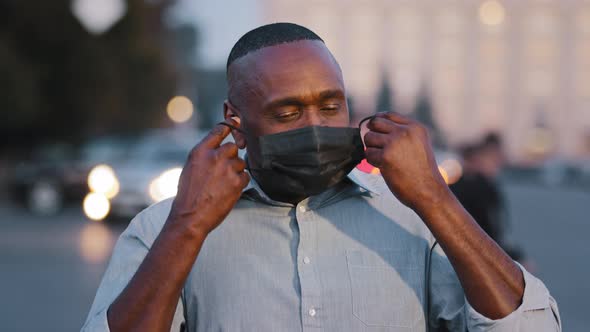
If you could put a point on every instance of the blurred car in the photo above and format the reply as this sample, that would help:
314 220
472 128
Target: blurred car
558 172
585 170
552 173
56 174
48 179
148 174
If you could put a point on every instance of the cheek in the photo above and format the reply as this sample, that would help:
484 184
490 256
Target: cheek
342 119
253 153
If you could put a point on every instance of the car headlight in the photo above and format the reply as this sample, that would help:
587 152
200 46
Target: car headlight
165 185
96 206
102 180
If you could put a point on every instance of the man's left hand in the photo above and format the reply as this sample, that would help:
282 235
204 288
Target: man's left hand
400 147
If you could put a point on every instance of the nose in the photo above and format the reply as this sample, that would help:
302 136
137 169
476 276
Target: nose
313 118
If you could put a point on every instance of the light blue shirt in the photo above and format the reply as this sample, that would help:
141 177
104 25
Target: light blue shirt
350 259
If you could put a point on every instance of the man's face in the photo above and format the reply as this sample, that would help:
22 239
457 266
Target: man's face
285 87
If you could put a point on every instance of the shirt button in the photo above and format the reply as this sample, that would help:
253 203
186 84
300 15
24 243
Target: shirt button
302 208
306 260
312 312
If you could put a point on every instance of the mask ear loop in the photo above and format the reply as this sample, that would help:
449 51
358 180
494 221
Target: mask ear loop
243 132
232 127
368 118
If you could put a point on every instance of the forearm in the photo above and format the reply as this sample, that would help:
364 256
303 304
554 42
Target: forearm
492 282
149 300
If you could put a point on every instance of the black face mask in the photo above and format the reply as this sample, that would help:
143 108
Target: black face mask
306 161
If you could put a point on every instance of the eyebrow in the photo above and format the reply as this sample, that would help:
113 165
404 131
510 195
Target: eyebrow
298 101
330 94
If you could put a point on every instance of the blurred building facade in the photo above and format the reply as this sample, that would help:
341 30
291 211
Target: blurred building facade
518 67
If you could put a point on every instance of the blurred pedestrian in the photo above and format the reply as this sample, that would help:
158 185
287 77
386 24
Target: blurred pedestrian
479 189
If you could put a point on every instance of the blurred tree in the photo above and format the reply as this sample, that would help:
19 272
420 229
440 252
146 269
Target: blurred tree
424 114
183 42
385 96
59 82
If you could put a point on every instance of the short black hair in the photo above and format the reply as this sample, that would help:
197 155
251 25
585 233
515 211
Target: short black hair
492 139
269 35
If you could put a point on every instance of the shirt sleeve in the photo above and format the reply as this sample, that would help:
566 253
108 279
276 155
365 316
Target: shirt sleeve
448 307
129 252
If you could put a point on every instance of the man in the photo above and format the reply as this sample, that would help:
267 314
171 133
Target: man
305 243
479 191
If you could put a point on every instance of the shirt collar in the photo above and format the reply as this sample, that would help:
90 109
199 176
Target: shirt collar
368 182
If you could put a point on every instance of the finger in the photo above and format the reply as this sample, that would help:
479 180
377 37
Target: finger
228 150
245 178
376 140
395 117
374 156
238 165
233 123
382 125
216 136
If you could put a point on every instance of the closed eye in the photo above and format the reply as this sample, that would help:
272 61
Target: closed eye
330 108
287 115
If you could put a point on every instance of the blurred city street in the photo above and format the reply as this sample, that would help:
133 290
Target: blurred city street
51 267
102 101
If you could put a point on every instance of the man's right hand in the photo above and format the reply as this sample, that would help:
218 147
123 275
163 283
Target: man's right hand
211 182
210 185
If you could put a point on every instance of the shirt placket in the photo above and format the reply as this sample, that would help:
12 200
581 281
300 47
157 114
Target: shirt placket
311 308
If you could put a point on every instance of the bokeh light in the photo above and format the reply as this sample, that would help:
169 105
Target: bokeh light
165 185
98 16
492 13
95 243
451 170
444 174
102 179
96 206
180 109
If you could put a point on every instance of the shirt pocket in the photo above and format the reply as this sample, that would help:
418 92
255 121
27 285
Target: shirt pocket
386 287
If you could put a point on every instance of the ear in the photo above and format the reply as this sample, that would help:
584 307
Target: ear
233 116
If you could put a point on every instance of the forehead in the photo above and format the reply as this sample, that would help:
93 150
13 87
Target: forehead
301 68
